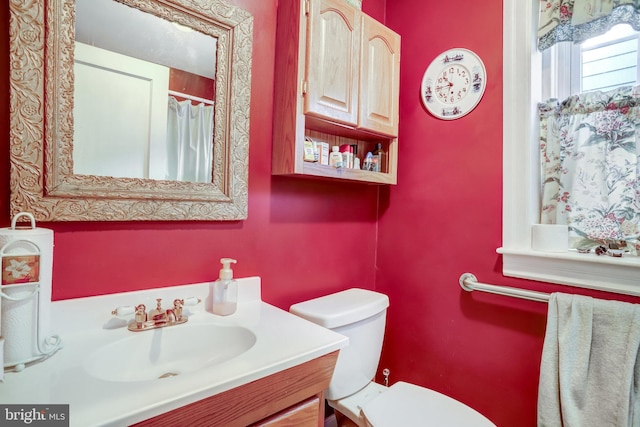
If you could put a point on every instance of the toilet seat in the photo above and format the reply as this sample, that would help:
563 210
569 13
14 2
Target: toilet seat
405 404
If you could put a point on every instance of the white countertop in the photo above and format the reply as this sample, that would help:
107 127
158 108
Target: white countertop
84 324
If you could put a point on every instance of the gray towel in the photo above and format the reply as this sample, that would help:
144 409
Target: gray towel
590 372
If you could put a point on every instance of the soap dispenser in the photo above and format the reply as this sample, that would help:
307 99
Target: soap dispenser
225 290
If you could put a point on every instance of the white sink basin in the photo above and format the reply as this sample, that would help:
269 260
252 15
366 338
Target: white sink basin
110 376
167 352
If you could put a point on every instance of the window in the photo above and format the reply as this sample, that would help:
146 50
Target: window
600 63
522 89
608 61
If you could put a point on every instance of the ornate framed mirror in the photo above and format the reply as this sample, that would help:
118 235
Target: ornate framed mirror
74 134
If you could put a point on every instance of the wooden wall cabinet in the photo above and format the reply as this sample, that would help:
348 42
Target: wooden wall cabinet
337 81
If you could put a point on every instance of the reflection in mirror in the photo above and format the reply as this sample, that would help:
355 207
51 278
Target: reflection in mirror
68 166
160 98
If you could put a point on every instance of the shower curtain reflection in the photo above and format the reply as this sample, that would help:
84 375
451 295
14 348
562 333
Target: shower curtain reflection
189 141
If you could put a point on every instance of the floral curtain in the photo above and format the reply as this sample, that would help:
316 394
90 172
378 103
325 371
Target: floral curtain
578 20
590 160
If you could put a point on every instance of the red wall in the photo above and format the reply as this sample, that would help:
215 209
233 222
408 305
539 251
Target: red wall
303 237
444 219
307 238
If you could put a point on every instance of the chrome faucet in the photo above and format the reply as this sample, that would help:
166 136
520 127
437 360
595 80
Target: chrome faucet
158 317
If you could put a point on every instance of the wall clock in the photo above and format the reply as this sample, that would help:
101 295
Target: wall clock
453 84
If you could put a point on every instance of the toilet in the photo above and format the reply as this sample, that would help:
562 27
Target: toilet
360 315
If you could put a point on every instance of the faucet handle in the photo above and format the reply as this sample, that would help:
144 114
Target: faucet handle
125 310
156 312
191 301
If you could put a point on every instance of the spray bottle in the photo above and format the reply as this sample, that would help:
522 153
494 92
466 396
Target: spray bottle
225 290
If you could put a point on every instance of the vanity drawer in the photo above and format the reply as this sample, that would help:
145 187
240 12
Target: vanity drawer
304 414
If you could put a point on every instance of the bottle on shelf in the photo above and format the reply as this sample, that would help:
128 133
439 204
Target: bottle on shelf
367 164
310 154
356 159
335 157
347 156
379 159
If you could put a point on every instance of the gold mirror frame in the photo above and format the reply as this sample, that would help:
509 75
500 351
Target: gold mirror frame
41 123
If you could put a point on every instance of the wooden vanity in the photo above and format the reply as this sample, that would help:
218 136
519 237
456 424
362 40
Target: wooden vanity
293 397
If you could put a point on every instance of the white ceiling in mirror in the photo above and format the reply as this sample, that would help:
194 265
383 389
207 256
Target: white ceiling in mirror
174 45
42 181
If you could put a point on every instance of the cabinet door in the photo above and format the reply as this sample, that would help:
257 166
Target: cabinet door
333 60
305 414
379 78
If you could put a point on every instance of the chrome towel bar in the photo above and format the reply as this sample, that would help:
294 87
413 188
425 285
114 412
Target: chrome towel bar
469 283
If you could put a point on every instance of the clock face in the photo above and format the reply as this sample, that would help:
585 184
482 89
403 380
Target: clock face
453 84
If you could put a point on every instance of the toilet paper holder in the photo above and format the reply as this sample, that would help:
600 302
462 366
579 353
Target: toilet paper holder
21 282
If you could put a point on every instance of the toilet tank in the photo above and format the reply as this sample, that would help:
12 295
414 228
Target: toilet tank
360 315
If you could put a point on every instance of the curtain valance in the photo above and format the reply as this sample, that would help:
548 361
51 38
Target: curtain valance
578 20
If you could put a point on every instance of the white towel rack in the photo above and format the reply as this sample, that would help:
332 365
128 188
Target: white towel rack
469 283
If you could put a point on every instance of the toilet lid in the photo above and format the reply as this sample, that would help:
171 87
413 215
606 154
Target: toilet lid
406 404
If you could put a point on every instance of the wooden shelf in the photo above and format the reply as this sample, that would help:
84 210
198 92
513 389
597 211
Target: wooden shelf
323 171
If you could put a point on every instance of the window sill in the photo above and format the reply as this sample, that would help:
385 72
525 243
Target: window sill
605 273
